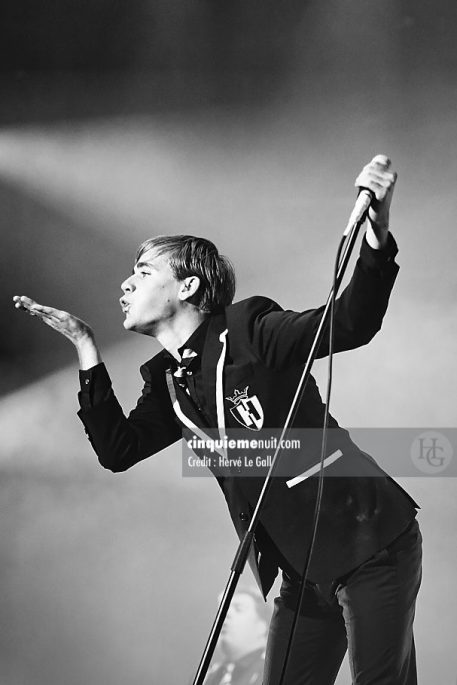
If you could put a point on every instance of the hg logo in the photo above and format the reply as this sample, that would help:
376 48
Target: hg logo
431 452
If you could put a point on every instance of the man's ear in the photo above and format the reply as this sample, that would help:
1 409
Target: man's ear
189 287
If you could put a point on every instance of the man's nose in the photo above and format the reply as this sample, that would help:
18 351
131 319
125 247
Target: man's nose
127 286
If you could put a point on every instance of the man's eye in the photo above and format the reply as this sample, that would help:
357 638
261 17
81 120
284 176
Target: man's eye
144 273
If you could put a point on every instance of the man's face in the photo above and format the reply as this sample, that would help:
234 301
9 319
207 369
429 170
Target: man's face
150 294
243 630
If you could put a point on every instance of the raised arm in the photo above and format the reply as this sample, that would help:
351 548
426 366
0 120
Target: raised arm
284 338
119 441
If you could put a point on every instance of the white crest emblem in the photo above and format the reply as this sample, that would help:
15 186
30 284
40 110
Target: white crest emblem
247 410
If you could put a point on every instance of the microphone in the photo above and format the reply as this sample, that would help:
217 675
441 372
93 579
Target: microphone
361 207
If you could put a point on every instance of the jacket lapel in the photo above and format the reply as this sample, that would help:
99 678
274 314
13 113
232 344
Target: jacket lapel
213 360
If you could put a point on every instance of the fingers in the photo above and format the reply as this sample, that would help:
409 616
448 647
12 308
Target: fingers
380 170
24 303
61 321
378 177
34 309
21 302
381 160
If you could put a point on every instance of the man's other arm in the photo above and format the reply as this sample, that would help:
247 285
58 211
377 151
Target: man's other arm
119 441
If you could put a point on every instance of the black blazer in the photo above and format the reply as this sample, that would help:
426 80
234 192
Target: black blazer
256 351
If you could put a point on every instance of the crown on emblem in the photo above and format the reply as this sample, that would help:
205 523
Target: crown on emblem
239 396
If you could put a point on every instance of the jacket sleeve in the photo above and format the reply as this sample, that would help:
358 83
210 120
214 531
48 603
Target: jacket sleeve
120 441
282 338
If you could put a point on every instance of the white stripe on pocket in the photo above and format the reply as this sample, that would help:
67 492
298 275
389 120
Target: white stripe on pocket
314 469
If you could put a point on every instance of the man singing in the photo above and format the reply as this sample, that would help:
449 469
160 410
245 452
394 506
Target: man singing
364 573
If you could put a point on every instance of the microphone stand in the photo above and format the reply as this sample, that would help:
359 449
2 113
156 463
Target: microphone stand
350 234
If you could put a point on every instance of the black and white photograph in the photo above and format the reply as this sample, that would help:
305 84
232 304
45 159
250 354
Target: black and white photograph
228 353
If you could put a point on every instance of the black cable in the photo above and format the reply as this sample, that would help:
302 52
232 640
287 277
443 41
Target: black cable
320 489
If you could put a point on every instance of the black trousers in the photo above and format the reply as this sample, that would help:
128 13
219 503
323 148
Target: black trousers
369 612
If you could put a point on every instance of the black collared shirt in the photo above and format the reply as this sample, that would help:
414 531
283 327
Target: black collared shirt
195 342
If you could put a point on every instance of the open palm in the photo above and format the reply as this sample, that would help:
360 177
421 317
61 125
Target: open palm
63 322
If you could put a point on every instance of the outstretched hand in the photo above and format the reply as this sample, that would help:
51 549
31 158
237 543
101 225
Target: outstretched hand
76 330
68 325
